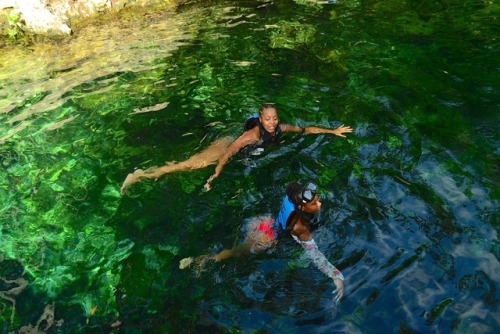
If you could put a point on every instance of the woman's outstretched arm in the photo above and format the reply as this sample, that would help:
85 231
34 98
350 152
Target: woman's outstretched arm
317 130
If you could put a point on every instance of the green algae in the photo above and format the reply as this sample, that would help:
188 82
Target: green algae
292 35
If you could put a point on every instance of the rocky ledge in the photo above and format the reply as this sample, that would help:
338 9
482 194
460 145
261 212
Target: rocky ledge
53 17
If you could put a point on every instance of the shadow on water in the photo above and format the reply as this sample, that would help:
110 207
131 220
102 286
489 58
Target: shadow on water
410 200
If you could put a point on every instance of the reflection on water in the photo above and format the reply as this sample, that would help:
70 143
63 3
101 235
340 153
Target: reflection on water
410 200
47 73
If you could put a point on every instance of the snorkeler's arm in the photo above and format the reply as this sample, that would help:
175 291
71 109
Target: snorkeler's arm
247 138
322 263
316 130
320 260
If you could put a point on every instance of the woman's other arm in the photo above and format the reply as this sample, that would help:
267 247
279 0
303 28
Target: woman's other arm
247 138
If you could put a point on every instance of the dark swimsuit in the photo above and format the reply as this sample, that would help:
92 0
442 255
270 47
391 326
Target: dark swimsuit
266 138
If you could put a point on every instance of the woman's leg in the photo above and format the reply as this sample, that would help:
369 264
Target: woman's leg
207 157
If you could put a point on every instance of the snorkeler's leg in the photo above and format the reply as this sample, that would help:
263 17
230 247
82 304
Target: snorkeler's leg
207 157
223 255
236 251
198 261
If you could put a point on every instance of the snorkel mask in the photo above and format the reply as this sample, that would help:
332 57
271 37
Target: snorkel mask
309 192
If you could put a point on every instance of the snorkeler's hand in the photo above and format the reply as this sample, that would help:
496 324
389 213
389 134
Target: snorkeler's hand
208 185
339 291
341 130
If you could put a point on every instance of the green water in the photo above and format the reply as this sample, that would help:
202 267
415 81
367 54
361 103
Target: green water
410 200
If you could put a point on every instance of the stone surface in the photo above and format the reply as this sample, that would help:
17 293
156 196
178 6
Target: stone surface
7 4
52 16
39 19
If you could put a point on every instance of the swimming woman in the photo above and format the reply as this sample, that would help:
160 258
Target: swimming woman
296 216
259 133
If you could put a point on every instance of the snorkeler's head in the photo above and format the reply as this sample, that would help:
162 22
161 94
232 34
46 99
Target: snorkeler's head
306 202
299 194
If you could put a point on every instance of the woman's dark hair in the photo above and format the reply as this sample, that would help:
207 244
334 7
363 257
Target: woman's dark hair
266 106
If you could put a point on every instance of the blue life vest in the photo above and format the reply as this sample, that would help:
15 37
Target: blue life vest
286 210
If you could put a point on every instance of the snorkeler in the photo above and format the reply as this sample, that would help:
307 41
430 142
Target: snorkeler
260 132
296 217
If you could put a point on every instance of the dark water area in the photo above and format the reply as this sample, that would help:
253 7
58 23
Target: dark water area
410 199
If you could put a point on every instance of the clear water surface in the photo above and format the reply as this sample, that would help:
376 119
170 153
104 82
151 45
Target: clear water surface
410 200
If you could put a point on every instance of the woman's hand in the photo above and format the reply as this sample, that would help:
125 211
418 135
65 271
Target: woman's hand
339 291
341 130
